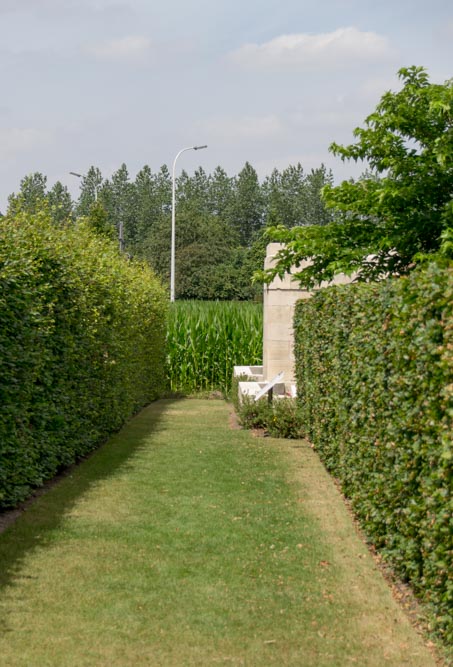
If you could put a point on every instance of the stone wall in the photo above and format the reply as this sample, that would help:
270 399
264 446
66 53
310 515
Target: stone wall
280 298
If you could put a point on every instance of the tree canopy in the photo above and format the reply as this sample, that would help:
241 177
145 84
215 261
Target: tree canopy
220 219
401 210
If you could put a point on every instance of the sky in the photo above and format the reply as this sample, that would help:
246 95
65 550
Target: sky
271 82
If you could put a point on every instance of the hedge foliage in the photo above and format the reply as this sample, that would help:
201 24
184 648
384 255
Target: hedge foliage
374 366
82 338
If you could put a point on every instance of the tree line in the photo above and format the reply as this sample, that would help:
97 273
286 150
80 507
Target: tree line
220 225
398 214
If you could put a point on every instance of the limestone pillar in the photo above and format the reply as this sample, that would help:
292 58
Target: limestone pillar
280 298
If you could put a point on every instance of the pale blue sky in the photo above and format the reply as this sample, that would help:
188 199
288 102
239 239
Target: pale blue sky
273 82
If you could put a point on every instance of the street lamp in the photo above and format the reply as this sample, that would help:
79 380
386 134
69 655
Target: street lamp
74 173
173 226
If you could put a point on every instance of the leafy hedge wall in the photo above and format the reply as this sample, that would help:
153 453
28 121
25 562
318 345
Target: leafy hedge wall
82 336
374 367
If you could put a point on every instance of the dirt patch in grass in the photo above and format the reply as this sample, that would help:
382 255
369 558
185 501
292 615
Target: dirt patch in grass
233 421
8 517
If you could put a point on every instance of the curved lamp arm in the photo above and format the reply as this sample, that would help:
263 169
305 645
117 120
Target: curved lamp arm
173 218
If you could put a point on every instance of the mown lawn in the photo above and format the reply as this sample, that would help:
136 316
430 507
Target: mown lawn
185 542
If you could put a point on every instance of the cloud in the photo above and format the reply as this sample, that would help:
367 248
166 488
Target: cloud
22 140
132 48
375 87
323 114
446 30
344 46
245 127
48 8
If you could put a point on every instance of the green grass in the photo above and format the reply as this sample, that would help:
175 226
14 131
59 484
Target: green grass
206 339
183 542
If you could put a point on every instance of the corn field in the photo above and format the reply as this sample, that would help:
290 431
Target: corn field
206 339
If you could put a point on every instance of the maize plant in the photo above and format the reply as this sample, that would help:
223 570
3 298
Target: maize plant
205 339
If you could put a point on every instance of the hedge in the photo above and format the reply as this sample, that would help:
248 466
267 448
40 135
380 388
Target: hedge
82 336
374 367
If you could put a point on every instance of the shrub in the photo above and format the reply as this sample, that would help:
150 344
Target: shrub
374 366
254 414
280 419
285 419
82 334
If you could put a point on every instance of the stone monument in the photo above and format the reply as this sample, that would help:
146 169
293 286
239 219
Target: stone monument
279 302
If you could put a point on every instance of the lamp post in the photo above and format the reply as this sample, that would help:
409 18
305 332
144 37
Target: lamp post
74 173
173 225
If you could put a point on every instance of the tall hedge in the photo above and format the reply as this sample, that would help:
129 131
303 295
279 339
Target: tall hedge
82 335
374 367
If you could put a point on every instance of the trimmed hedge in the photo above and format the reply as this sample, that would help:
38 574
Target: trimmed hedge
82 346
374 366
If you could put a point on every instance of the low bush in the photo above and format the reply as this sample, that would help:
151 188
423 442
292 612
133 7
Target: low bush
254 414
374 366
280 419
285 421
82 337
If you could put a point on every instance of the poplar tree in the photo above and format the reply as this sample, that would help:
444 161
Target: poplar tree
248 204
221 195
31 195
61 205
123 205
90 187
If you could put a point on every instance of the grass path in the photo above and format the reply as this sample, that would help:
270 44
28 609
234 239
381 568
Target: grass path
182 542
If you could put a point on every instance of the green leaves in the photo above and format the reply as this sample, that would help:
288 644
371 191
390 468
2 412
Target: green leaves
82 334
396 211
374 368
